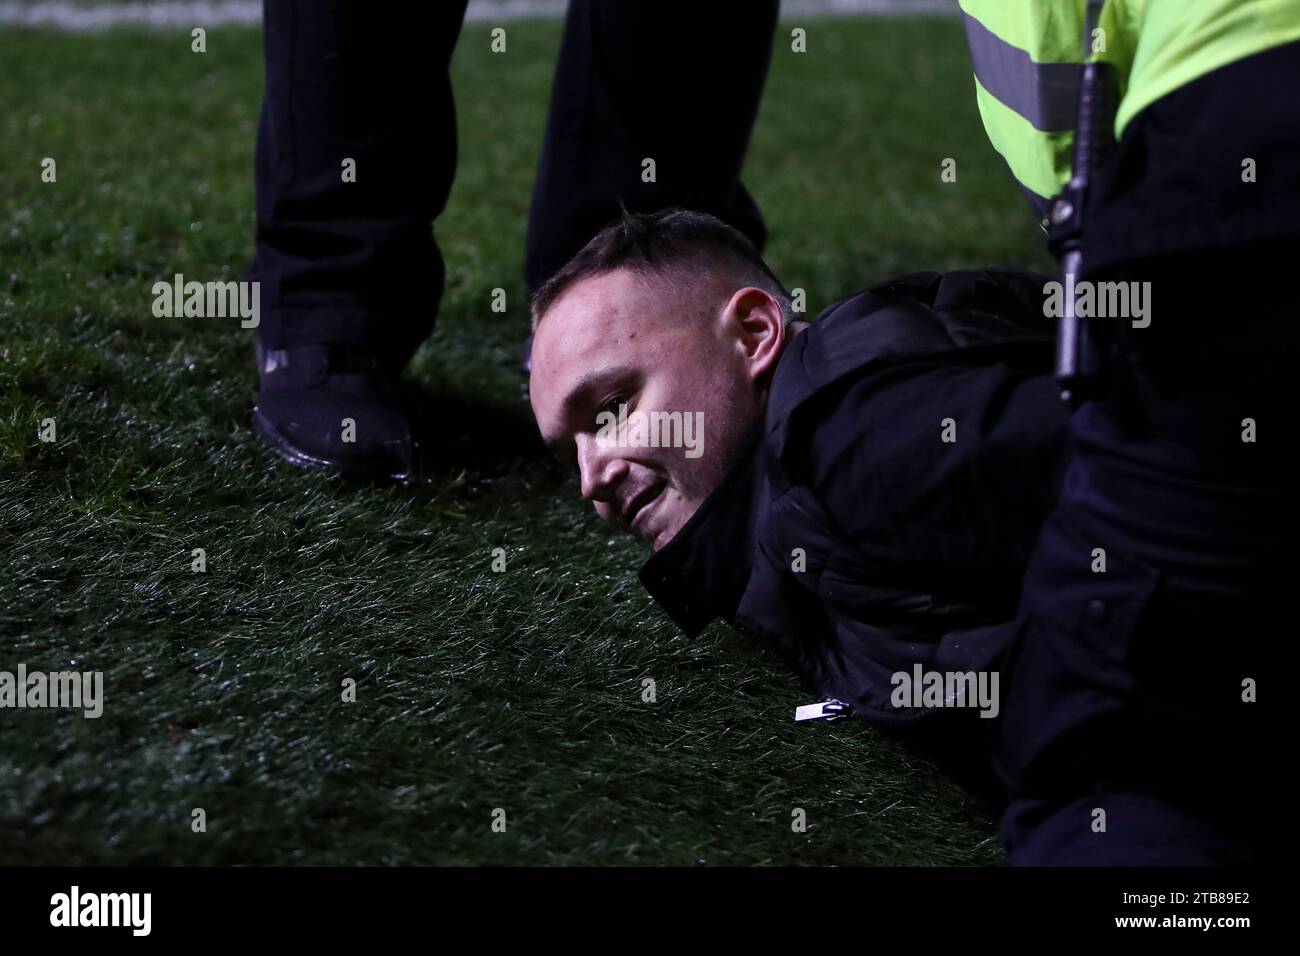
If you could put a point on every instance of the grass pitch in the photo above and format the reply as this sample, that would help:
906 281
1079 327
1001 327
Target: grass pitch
476 690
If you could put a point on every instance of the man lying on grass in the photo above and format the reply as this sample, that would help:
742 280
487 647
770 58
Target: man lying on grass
860 493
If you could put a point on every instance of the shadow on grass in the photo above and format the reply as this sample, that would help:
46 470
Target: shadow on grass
455 433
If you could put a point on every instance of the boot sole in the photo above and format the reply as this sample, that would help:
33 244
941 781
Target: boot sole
295 456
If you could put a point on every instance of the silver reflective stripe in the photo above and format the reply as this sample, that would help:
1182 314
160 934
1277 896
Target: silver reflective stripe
1046 94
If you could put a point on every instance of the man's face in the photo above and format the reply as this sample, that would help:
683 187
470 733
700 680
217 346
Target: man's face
614 340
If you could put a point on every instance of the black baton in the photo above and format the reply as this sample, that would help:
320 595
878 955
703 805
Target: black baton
1077 365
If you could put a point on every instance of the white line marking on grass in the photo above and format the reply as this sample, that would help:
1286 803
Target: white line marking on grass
78 18
85 18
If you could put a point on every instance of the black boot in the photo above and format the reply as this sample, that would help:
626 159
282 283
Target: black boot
334 408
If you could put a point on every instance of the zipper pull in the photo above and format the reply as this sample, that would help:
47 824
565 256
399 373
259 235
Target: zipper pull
827 710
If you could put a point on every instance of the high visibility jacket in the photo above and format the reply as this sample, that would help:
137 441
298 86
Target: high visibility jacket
1028 56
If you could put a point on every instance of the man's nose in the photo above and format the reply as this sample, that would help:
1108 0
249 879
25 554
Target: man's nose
601 469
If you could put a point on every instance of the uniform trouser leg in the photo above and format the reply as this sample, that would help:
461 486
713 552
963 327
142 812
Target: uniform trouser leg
353 262
674 82
1154 595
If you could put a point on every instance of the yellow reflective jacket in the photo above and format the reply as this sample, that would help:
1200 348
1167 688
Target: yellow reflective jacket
1028 54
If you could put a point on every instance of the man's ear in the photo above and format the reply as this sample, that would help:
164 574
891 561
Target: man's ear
756 317
761 327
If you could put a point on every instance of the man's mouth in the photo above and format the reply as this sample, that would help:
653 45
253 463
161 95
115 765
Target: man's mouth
638 511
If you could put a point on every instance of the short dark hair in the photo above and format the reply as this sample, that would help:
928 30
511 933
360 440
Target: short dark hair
663 243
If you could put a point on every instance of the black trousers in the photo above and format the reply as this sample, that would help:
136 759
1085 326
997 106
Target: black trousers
1156 604
357 262
1157 589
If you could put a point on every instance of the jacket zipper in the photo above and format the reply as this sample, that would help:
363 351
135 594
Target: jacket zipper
827 710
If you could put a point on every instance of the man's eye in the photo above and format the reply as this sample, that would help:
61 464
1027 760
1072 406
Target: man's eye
614 403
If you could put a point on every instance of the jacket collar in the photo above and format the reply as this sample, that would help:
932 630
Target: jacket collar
869 327
703 571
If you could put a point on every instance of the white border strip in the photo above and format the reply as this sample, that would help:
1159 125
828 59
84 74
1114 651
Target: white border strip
83 18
